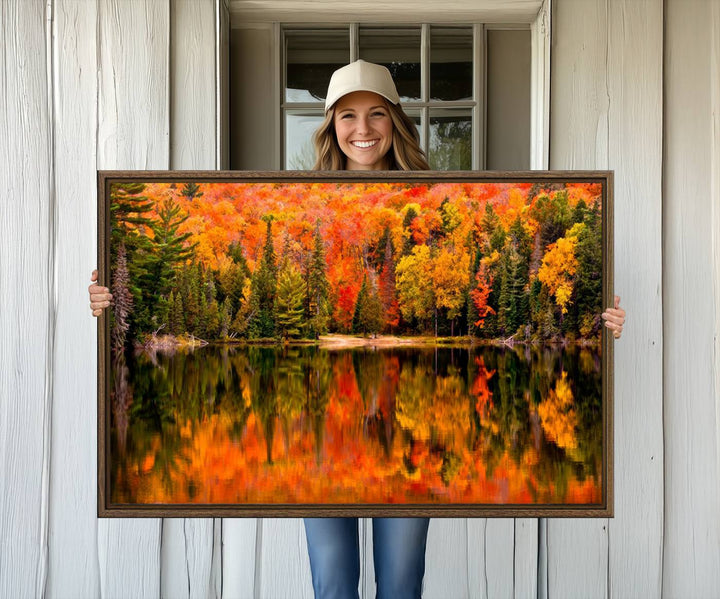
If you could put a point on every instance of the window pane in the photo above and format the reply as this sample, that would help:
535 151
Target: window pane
399 50
311 58
299 149
414 115
451 56
450 140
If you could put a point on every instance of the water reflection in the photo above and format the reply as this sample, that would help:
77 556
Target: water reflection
397 425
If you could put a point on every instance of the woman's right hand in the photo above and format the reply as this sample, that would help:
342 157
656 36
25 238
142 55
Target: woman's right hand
99 296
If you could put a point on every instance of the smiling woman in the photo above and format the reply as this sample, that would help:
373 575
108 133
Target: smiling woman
364 130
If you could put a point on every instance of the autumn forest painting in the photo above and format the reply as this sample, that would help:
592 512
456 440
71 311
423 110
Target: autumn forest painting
341 342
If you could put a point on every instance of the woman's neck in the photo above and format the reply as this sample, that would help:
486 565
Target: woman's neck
380 166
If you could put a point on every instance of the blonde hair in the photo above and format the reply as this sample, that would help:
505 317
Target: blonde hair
404 155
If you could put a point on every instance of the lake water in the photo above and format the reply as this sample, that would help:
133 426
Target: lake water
305 424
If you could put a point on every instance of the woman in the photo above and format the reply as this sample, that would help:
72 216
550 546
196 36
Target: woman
365 129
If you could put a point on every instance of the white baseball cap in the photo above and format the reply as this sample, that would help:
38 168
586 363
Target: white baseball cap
361 76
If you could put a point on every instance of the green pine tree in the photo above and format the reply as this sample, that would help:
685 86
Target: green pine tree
167 251
368 315
225 318
289 302
191 191
263 291
317 309
177 315
410 215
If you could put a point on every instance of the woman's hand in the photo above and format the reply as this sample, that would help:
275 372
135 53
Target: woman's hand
99 296
615 318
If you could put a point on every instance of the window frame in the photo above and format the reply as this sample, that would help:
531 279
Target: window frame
540 24
476 106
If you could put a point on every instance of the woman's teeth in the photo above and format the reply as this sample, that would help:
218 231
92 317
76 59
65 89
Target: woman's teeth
364 144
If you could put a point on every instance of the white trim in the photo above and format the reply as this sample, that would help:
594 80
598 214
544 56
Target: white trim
374 11
540 89
509 26
424 87
715 202
479 87
278 130
265 26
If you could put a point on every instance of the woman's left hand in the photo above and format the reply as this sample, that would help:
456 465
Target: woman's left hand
615 318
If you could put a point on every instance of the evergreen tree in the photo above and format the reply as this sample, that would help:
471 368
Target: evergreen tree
517 275
232 275
587 291
492 230
472 312
289 302
128 210
202 327
553 215
368 316
158 263
240 324
177 316
128 216
264 284
388 296
212 320
191 299
513 301
122 301
361 299
410 216
225 318
317 308
579 212
191 191
536 307
494 239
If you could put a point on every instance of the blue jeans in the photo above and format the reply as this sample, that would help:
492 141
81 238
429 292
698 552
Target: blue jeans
398 551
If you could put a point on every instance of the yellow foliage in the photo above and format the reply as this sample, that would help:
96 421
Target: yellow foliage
450 277
491 259
558 416
557 269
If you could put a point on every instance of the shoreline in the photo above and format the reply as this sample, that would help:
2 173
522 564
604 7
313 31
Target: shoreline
340 341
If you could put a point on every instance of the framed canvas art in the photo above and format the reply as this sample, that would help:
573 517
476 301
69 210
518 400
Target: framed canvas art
355 344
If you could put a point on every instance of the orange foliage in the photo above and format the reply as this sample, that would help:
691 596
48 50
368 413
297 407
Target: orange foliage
558 415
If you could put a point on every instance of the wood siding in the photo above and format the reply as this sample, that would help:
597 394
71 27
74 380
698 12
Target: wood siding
690 288
88 84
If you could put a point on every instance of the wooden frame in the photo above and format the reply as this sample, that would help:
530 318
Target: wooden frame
541 235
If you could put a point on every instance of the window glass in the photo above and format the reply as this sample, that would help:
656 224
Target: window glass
450 146
299 148
310 59
399 50
451 63
414 114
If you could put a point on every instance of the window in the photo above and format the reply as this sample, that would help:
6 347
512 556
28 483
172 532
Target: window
467 87
439 72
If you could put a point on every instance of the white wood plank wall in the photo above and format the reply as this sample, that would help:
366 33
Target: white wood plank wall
27 312
190 566
690 288
133 133
606 112
73 547
90 84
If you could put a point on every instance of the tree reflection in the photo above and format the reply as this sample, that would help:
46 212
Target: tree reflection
301 423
